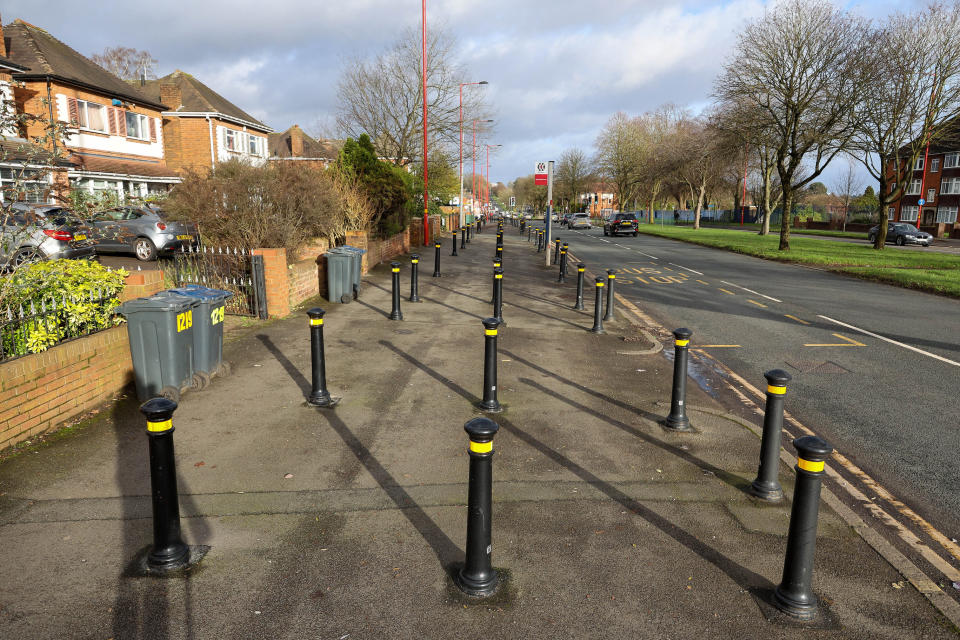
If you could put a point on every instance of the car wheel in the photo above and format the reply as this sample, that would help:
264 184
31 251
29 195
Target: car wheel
24 257
871 238
145 250
635 233
170 393
605 231
899 241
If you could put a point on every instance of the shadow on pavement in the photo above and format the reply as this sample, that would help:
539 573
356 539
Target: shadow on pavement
447 552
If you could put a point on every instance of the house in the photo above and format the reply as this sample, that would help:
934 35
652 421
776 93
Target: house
295 145
202 128
599 203
114 140
931 198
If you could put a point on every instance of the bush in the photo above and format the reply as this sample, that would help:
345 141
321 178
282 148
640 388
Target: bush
281 204
74 296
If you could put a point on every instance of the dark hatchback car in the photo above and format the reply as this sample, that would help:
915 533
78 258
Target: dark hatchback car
901 233
34 232
143 231
619 223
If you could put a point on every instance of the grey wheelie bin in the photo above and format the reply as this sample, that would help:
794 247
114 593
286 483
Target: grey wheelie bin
339 275
207 331
161 343
356 269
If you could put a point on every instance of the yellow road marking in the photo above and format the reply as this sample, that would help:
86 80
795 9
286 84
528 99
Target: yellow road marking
725 291
642 280
702 282
756 303
849 342
787 315
668 268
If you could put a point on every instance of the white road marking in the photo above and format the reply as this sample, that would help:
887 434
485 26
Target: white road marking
646 254
750 291
687 268
899 344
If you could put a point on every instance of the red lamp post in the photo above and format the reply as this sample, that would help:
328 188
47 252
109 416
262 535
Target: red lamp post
426 212
462 85
487 186
473 153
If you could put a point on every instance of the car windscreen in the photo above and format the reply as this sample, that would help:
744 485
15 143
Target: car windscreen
626 216
909 228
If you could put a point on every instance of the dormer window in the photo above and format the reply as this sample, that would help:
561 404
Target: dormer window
138 126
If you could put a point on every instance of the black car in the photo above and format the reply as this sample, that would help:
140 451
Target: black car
902 233
619 223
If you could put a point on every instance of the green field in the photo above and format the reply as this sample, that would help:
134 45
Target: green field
924 270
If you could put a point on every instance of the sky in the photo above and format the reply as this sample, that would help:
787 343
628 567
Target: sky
558 69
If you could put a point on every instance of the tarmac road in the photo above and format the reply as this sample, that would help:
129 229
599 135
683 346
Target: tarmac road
874 367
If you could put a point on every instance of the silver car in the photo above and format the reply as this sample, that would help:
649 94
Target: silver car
34 232
579 221
143 231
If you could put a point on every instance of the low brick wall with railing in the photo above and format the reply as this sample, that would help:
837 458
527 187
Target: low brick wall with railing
40 392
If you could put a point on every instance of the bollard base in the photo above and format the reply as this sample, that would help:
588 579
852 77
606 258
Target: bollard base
674 423
768 492
395 316
324 401
821 619
476 589
599 332
490 407
141 565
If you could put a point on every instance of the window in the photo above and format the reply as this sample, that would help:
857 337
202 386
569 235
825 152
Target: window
914 188
137 126
951 160
919 166
16 185
935 165
256 145
91 115
230 139
890 212
950 186
947 214
931 195
909 214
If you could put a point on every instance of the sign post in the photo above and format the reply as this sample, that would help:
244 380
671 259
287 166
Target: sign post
549 216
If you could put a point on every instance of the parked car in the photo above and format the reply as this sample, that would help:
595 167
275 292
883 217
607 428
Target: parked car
579 221
34 232
143 231
902 233
618 223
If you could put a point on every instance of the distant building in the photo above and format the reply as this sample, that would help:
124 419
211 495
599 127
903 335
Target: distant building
295 145
202 128
936 182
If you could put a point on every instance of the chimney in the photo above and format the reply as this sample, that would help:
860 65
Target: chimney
170 95
296 142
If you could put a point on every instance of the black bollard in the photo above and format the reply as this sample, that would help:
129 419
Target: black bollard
414 279
395 312
454 253
556 251
563 265
529 233
580 269
794 595
541 240
498 295
611 276
500 238
469 229
319 396
677 420
463 237
436 259
493 281
477 577
565 248
489 402
499 253
169 552
767 486
598 309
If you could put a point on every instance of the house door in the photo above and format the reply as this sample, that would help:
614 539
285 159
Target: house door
929 216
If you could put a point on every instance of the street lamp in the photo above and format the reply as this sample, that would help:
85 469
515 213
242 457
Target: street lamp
426 211
487 187
473 153
462 85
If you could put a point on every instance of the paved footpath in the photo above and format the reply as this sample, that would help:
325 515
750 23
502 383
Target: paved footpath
346 523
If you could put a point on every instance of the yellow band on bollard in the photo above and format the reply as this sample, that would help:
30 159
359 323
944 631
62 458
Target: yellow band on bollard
437 245
807 465
396 270
490 332
414 261
481 447
166 425
681 343
316 322
580 270
776 390
599 284
611 276
498 276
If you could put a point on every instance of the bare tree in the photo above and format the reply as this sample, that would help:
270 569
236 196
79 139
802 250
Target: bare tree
911 101
619 155
801 71
701 156
127 63
381 97
848 186
572 174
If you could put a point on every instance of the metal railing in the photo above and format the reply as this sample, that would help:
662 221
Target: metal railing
34 328
235 270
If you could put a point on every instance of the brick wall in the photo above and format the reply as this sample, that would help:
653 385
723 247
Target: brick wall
277 281
42 391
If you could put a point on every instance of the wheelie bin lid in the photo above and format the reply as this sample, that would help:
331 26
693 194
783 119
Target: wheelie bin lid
352 249
161 301
204 293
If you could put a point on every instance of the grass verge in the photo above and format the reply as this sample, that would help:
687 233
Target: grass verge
923 270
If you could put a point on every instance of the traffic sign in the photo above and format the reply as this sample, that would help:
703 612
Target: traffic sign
922 202
540 175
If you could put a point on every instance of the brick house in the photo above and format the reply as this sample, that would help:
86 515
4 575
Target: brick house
115 141
202 128
295 145
936 181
